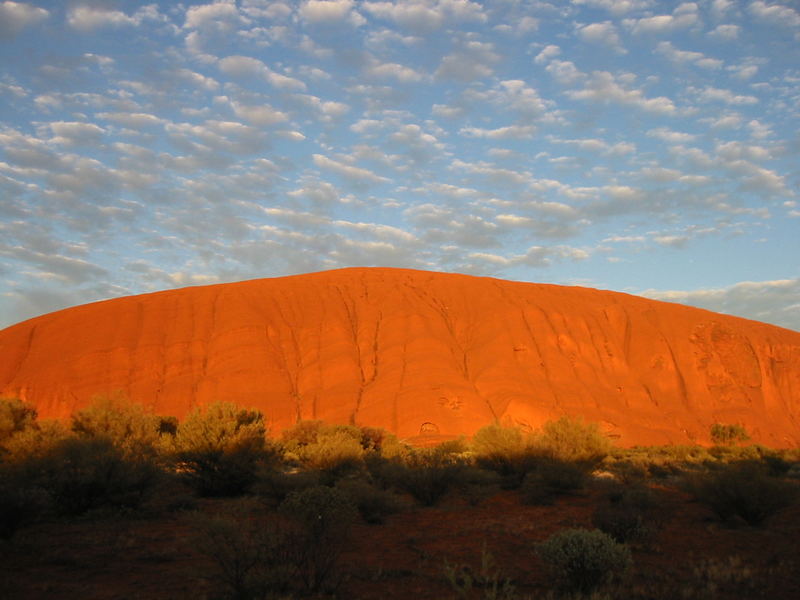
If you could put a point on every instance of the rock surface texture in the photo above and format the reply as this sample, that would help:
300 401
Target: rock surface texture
419 353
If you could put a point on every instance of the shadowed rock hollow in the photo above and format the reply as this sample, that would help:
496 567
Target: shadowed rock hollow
417 353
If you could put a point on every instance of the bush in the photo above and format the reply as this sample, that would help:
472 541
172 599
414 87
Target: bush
250 559
582 560
428 475
551 478
572 440
18 506
742 490
373 504
727 435
80 474
15 416
125 424
629 514
505 450
322 517
218 449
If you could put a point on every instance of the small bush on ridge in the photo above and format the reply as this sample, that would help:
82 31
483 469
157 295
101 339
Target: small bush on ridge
582 560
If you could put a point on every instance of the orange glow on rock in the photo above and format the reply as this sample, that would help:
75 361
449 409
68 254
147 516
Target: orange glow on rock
418 353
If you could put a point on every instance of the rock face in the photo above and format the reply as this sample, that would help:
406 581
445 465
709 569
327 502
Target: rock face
418 353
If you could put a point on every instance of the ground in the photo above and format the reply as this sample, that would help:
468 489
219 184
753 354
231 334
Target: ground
149 553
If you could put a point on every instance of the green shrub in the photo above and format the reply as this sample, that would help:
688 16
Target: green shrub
487 581
742 490
551 478
374 504
322 517
727 435
505 450
630 513
582 560
79 474
18 506
251 559
15 416
125 424
218 449
572 440
428 475
273 485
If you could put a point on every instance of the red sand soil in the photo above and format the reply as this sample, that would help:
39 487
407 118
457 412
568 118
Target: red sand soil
154 557
418 353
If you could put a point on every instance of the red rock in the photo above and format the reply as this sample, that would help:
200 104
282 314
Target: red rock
417 352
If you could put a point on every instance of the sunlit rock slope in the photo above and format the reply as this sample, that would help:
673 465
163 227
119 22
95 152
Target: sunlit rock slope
417 353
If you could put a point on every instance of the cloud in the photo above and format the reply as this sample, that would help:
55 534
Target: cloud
331 12
770 301
617 7
775 14
242 67
684 56
426 16
712 94
603 87
670 136
473 61
725 32
349 172
510 132
684 16
86 18
604 34
16 16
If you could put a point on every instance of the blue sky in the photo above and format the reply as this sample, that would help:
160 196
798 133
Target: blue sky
633 145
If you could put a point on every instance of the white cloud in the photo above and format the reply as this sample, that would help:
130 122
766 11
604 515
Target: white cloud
685 15
423 16
604 34
712 94
775 14
510 132
547 53
725 32
331 12
770 301
350 172
685 56
617 7
473 61
247 66
670 136
16 16
604 87
88 18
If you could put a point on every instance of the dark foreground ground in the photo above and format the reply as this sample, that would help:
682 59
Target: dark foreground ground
150 553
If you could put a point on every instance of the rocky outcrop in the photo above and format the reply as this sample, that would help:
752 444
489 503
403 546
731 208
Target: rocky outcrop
417 353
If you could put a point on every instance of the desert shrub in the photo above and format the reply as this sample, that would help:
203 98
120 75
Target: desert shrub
18 505
274 485
727 435
374 504
551 478
486 582
428 475
36 440
322 517
125 424
629 513
15 416
582 560
250 558
574 441
742 490
79 474
218 449
505 450
333 450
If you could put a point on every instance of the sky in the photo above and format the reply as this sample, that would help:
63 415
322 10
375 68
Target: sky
641 146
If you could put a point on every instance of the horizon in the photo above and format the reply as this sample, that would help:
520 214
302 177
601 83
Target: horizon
642 147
